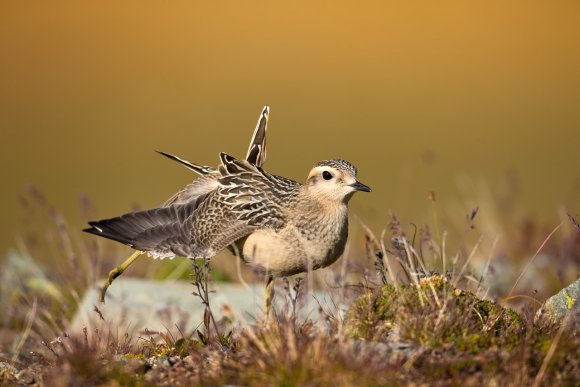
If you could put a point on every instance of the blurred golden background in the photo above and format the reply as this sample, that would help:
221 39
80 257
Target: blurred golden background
478 102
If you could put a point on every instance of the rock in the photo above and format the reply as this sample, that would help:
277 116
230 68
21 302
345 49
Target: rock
162 361
145 307
555 308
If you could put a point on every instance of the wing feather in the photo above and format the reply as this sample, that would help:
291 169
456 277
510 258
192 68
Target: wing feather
257 150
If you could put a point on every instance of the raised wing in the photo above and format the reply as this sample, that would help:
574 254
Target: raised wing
199 169
257 150
256 155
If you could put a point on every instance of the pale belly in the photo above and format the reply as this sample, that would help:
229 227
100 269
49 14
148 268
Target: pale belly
287 252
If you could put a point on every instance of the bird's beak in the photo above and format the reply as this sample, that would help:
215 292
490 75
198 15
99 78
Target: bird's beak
358 186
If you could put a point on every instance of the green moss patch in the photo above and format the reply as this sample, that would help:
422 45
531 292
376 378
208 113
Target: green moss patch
435 315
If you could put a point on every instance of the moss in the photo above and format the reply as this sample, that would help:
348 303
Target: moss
134 356
371 316
182 347
437 282
121 377
436 315
472 343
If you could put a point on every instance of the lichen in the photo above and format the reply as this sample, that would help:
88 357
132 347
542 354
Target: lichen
569 300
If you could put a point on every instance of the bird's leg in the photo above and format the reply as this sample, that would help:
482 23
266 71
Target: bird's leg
268 297
117 271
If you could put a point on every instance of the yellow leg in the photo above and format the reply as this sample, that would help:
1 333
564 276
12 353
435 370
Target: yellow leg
268 298
117 272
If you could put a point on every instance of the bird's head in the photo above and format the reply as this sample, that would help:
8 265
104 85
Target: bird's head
334 180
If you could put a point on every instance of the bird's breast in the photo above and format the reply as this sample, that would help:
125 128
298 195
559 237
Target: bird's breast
305 243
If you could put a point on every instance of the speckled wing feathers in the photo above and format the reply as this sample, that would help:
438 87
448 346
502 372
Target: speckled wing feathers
202 186
207 182
241 204
244 199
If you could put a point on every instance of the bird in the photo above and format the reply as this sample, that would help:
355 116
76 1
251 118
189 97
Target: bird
278 226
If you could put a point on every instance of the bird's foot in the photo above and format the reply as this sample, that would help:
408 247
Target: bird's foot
116 272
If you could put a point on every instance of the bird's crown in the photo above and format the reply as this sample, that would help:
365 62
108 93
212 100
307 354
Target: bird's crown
339 164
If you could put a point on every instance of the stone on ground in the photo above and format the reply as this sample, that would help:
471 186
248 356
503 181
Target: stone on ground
134 305
555 308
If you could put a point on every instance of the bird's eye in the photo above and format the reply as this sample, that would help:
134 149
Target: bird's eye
327 175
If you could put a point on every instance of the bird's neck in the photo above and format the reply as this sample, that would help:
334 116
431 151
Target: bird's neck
313 209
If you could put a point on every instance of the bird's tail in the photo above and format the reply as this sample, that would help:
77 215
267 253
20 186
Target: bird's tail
163 232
